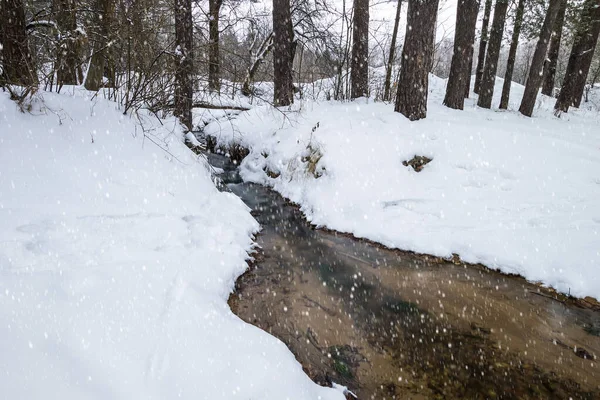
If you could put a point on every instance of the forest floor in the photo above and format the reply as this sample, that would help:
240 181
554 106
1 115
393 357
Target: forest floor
514 193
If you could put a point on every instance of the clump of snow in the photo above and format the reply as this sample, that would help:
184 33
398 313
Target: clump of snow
515 193
117 255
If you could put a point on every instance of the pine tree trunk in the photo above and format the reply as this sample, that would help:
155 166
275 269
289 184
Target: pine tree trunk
417 57
101 53
488 79
585 63
359 73
283 36
17 63
184 68
482 44
470 66
67 59
553 51
534 80
512 55
586 37
214 62
390 64
460 69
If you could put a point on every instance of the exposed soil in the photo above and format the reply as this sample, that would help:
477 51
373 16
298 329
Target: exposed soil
393 324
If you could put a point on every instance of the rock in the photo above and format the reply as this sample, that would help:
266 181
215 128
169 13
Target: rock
417 162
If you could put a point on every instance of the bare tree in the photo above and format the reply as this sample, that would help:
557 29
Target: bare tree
359 73
417 57
460 69
101 54
512 55
17 63
552 59
67 57
534 80
283 50
214 63
482 44
184 56
488 79
391 56
582 52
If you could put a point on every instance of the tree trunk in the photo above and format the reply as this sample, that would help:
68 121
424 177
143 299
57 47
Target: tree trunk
585 63
460 69
417 57
586 37
512 55
482 44
259 58
283 36
17 63
184 59
388 72
488 79
470 66
552 59
101 52
534 80
214 62
67 59
359 72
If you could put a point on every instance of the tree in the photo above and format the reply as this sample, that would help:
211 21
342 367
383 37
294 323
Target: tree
388 72
488 79
101 54
582 53
359 73
283 36
460 68
67 55
214 63
417 57
184 56
534 80
512 55
17 62
482 44
552 59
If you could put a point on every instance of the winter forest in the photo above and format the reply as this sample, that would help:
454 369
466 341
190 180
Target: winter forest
299 199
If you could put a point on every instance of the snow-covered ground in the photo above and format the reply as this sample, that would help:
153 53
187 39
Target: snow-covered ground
117 255
515 193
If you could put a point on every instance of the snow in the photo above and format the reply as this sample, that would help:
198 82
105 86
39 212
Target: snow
511 192
117 256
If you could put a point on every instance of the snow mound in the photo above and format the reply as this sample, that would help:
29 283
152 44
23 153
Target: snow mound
117 255
514 193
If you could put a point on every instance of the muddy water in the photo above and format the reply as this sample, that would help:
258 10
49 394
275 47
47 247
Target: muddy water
391 324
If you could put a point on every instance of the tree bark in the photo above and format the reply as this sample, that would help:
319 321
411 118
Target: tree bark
184 68
67 58
552 59
214 62
482 44
534 80
417 57
512 55
390 63
586 37
101 52
283 36
264 49
359 72
586 62
470 66
17 62
488 79
460 69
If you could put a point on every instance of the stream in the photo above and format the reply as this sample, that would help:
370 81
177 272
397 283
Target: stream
390 324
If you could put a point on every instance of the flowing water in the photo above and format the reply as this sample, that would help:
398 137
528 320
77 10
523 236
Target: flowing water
393 324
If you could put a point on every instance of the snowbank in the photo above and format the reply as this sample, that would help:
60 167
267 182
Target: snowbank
117 255
515 193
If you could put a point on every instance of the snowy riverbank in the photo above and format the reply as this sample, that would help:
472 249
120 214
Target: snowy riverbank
512 192
117 255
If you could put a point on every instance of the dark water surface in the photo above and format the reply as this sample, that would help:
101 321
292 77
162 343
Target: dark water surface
392 324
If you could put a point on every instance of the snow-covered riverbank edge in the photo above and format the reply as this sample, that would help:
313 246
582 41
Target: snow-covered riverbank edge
513 193
117 256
